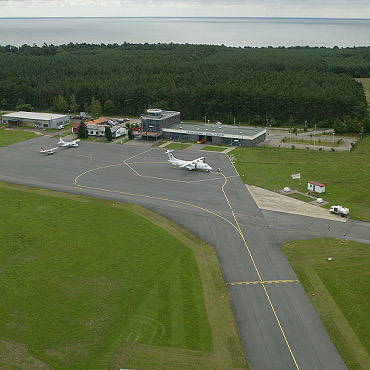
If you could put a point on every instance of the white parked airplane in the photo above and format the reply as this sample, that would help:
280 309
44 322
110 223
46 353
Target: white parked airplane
48 151
196 164
68 144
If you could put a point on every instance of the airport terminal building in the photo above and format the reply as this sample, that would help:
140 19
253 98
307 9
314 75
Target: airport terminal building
218 134
34 119
166 124
155 120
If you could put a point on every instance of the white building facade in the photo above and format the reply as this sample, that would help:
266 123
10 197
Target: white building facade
316 187
34 119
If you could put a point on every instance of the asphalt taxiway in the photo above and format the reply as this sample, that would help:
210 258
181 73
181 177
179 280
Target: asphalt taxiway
277 323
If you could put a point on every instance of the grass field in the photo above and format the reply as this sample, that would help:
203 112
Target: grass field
8 137
347 174
366 84
158 143
178 146
339 290
92 284
214 148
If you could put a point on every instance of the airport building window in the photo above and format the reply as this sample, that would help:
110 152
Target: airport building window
226 140
179 137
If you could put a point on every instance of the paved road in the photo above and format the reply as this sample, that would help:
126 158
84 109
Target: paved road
278 325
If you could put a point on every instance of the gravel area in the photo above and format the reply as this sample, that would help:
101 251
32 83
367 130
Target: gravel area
272 201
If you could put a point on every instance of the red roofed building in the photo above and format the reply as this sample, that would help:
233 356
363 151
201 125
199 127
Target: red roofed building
316 187
75 127
98 121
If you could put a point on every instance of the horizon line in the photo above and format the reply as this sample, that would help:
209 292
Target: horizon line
177 17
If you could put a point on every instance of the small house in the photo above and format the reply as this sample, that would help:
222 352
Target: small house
316 187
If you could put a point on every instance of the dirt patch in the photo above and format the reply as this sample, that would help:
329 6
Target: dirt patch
272 201
15 355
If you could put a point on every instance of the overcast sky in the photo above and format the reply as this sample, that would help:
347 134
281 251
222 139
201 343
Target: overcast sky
186 8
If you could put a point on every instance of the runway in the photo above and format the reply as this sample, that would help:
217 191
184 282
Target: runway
277 323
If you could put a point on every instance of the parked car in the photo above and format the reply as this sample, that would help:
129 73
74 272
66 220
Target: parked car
202 141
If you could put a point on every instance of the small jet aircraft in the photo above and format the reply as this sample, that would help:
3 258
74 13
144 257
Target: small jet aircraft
196 164
48 151
68 144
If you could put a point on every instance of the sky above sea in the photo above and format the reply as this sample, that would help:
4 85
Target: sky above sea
238 32
186 8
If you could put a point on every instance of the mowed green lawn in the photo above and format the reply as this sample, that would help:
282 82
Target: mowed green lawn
339 291
213 148
347 174
85 283
177 146
8 137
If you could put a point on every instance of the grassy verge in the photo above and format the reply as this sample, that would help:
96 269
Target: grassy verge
366 84
121 140
178 146
8 137
347 174
214 148
300 197
338 290
158 143
82 293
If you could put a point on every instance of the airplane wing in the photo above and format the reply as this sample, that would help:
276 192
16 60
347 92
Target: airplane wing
186 164
191 165
49 151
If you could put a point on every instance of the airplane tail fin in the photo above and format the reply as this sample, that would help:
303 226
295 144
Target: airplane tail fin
42 149
61 141
170 155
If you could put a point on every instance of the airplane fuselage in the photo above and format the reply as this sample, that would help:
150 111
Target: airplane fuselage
196 165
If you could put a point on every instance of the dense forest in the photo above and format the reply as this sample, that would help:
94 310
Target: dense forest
282 85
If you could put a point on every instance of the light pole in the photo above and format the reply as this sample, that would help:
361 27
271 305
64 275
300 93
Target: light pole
151 129
205 119
242 139
333 136
234 121
314 142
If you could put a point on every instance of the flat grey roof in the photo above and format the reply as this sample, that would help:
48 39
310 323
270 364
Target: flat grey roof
165 114
34 115
216 130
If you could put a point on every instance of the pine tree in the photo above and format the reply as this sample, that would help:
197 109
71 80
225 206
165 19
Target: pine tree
108 133
130 134
73 106
82 132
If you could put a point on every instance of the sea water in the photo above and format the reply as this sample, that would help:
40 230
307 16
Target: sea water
239 32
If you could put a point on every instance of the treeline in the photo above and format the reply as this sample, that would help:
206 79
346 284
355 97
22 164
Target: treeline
250 85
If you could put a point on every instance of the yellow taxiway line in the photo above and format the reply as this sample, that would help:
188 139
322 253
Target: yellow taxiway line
262 282
236 227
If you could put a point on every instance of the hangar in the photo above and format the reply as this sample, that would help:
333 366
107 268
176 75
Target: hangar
34 119
218 134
